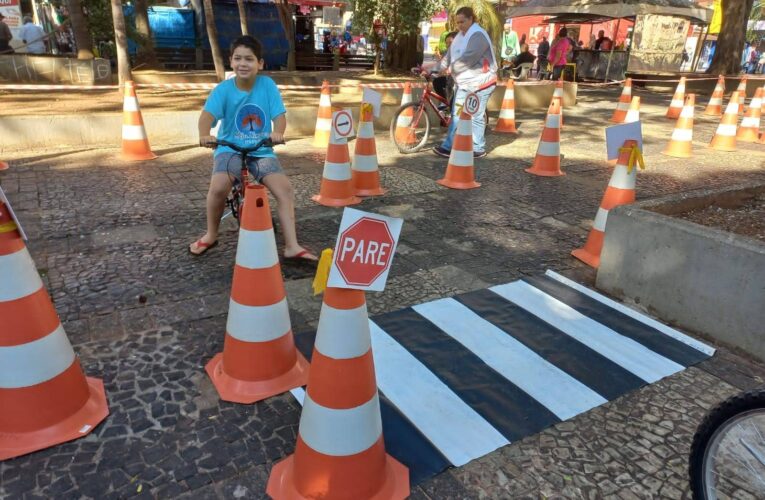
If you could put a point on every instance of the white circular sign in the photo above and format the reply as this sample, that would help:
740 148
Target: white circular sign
472 103
343 123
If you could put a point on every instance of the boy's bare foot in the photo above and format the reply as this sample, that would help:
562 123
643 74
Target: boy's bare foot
201 246
300 255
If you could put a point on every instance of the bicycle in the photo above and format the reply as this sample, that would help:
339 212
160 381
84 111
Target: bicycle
418 130
727 458
238 186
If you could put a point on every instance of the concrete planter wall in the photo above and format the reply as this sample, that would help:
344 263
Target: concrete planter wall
697 277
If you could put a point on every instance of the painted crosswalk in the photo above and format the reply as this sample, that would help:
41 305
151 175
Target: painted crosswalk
460 377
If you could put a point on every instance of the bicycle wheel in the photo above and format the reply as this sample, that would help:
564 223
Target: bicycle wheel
415 129
727 458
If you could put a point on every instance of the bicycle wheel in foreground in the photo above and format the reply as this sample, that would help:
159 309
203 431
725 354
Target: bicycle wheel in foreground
410 127
727 458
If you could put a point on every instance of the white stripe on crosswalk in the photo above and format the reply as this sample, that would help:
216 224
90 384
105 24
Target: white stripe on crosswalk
562 394
627 353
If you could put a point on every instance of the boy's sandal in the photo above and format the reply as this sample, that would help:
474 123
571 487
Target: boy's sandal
201 245
302 256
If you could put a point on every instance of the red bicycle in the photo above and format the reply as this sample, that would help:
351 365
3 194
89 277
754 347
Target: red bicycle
410 126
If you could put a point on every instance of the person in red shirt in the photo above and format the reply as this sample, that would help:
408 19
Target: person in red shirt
558 52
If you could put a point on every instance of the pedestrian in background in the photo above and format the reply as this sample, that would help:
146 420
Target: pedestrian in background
5 37
558 52
33 36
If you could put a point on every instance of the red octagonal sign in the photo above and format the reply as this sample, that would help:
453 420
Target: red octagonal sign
364 251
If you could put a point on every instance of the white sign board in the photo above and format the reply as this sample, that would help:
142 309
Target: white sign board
12 214
617 134
342 124
374 98
366 244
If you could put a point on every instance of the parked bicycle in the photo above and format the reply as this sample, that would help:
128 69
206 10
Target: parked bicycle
727 458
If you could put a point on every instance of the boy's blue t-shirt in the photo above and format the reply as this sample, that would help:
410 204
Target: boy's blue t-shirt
245 116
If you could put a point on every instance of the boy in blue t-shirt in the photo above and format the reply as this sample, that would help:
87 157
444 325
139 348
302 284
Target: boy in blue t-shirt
247 105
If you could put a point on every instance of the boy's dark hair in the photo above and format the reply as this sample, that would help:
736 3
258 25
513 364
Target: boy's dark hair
465 12
250 42
451 34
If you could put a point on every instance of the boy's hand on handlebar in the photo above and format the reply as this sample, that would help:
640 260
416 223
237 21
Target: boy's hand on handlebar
277 138
206 141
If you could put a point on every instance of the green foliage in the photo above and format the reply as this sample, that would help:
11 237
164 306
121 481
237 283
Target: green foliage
400 17
99 16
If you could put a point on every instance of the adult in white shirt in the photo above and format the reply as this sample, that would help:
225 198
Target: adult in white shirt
33 36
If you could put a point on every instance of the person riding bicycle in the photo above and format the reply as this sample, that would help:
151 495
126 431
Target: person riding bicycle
246 105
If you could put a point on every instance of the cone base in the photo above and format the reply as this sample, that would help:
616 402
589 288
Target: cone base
459 185
545 173
248 392
4 166
369 192
506 129
138 156
336 202
713 113
75 426
727 149
748 137
586 257
281 483
677 154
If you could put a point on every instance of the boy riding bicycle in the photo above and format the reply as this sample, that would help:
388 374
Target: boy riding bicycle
246 105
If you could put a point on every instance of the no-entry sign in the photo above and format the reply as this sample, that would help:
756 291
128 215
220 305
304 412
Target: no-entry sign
364 250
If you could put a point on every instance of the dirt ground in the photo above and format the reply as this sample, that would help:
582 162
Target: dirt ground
747 219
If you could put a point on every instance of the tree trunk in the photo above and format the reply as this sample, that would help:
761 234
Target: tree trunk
212 34
146 55
730 41
120 37
81 30
242 16
285 16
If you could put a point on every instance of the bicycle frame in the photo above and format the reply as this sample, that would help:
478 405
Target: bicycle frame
427 98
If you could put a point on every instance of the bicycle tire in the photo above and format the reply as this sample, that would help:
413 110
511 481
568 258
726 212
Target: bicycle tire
719 419
404 148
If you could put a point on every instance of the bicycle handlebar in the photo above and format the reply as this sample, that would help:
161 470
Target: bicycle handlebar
267 142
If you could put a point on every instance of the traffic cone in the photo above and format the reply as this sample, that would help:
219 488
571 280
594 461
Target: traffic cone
135 144
506 120
633 114
460 173
681 143
749 129
403 132
714 108
259 358
340 452
620 113
676 106
620 191
337 180
725 137
558 96
4 166
742 94
547 160
324 117
44 395
365 170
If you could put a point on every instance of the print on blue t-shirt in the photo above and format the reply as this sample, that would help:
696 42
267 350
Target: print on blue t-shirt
245 116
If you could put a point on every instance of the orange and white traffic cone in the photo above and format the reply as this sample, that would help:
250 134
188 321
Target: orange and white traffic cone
506 120
135 143
404 133
558 96
340 452
620 113
681 143
365 169
620 191
337 180
547 160
676 106
742 94
324 117
44 395
749 129
714 108
633 114
259 358
460 173
725 136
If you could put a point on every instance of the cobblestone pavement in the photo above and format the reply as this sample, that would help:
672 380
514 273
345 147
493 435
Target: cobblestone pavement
110 240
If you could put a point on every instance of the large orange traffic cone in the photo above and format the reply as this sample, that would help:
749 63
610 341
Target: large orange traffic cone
749 129
620 113
714 108
324 117
558 96
681 143
620 191
259 358
676 106
742 94
725 136
135 143
506 120
44 396
337 181
340 453
460 173
633 114
404 133
547 160
365 169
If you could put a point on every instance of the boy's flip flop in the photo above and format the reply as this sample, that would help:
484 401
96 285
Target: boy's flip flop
301 257
204 246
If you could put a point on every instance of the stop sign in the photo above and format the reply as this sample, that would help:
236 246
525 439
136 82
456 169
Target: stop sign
364 251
